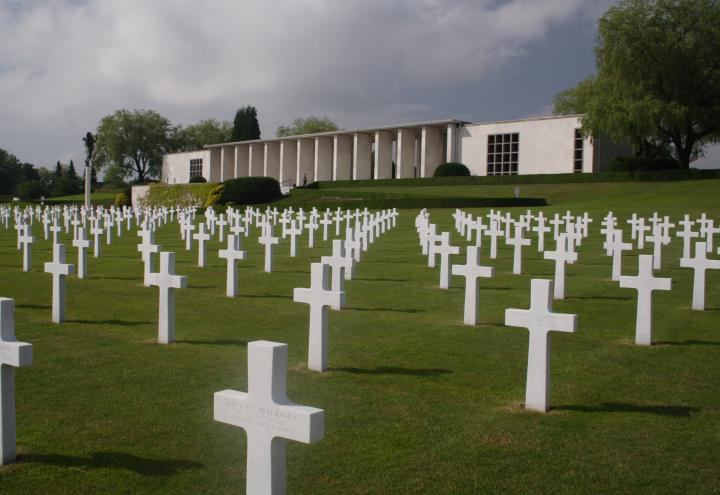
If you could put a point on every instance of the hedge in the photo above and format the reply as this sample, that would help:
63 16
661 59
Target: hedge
249 191
451 169
177 194
653 175
413 202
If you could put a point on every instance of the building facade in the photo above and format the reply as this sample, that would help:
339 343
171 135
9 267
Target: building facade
545 145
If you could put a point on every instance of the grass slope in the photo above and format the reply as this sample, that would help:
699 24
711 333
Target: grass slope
415 402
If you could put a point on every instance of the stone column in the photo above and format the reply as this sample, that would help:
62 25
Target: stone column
362 148
405 166
257 159
431 151
342 157
242 160
227 158
272 160
305 160
288 162
452 143
323 158
212 172
383 155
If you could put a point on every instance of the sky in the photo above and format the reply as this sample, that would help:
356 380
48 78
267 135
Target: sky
65 64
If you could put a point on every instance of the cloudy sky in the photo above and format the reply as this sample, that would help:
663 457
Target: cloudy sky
64 64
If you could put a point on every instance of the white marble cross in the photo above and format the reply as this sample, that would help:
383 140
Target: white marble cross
59 270
445 250
325 222
311 226
687 234
561 255
341 264
96 230
293 231
167 281
617 246
268 417
700 263
221 222
319 297
82 243
13 354
267 240
55 229
26 239
645 283
517 242
202 237
232 254
541 229
493 232
147 247
658 240
472 270
188 228
539 320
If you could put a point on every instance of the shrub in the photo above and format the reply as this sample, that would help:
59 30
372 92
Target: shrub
214 196
197 179
249 191
31 189
177 195
121 200
641 163
451 169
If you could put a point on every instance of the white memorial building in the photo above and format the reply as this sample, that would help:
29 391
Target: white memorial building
544 145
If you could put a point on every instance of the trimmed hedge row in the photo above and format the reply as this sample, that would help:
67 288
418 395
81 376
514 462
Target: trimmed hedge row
651 175
414 202
183 195
249 191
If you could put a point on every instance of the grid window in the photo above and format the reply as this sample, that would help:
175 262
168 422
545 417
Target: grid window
578 156
196 167
502 154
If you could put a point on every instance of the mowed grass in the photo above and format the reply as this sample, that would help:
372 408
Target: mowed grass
415 402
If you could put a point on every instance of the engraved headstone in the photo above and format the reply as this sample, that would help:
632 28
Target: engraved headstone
700 263
540 321
167 281
232 254
472 270
13 354
59 270
268 417
82 243
645 283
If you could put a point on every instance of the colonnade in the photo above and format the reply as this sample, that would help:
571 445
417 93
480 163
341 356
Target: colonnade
416 152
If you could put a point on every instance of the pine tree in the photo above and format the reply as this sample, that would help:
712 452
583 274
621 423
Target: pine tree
71 173
58 169
246 126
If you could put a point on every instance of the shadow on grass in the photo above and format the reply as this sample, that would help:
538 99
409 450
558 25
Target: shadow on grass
116 460
607 298
392 370
265 296
202 286
118 278
623 407
389 310
383 279
688 342
241 343
120 323
34 306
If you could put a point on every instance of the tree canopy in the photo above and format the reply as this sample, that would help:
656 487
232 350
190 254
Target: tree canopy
209 131
134 142
246 126
307 125
658 77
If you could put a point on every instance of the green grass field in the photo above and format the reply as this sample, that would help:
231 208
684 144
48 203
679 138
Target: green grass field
415 402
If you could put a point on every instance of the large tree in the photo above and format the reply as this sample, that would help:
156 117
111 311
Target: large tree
208 131
658 77
134 142
307 125
246 126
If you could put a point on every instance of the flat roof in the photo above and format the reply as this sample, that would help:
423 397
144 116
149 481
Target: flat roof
341 132
368 130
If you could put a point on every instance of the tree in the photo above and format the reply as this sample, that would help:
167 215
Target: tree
89 143
308 125
71 173
58 169
246 126
209 131
134 141
658 77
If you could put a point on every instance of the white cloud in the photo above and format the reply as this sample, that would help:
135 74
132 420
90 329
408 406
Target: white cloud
65 64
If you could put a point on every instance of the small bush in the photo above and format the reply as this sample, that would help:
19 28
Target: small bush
214 196
641 163
249 191
31 189
121 200
183 195
451 169
197 180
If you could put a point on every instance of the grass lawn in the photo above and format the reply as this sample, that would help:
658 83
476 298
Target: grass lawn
106 198
415 402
